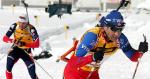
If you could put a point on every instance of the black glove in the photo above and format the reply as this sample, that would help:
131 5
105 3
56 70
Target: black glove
143 47
98 56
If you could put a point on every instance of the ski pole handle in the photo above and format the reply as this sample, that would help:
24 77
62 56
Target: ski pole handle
138 60
25 4
123 3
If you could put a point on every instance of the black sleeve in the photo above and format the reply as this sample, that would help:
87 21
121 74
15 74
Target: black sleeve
11 30
34 33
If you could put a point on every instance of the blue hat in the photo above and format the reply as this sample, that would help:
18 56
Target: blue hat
114 18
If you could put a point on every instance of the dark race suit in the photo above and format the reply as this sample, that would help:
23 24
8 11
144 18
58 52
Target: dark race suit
30 38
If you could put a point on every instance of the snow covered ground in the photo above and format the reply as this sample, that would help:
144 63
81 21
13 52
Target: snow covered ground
51 30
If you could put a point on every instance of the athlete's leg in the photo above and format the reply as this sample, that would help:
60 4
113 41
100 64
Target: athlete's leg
30 64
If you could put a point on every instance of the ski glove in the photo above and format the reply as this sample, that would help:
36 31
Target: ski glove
143 47
98 55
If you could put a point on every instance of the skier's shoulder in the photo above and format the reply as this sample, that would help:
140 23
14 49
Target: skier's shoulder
95 30
123 36
13 26
123 40
31 26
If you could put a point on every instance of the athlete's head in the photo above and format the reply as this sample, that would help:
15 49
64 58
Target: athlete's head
113 24
23 21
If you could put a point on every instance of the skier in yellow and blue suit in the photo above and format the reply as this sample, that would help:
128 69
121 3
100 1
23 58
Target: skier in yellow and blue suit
98 44
25 38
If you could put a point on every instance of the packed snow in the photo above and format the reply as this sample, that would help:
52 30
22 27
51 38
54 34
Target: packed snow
51 31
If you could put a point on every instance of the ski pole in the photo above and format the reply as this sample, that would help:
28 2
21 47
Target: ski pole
26 5
123 3
10 49
136 67
75 42
138 62
33 59
39 65
3 56
43 69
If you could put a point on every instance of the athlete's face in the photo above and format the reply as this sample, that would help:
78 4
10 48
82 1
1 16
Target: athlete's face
113 33
22 25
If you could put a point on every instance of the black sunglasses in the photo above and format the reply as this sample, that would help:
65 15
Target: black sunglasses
118 28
